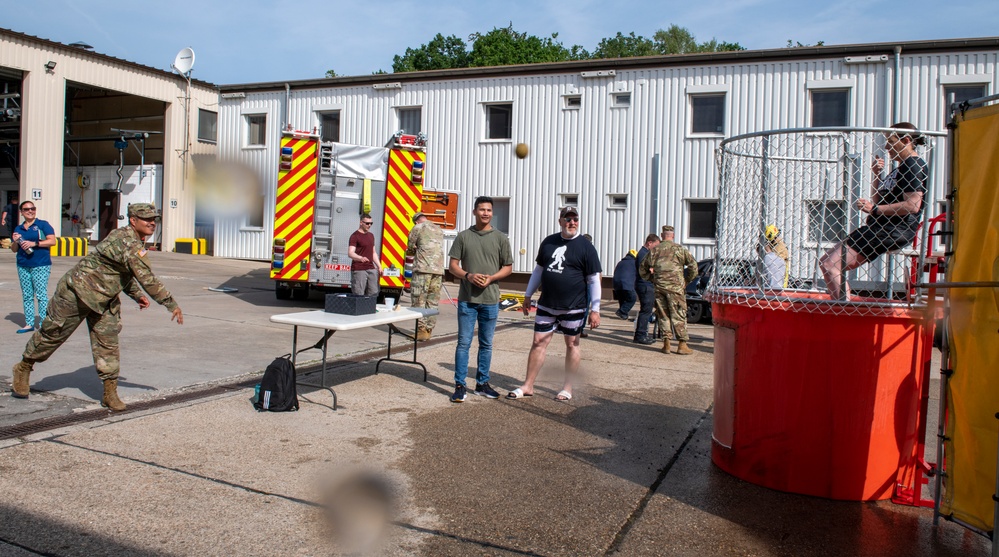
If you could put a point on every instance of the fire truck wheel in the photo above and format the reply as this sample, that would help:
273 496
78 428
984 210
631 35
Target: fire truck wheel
300 293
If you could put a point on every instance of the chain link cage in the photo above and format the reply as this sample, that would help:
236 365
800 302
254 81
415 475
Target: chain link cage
788 199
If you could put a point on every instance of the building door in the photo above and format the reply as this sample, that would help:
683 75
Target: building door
108 201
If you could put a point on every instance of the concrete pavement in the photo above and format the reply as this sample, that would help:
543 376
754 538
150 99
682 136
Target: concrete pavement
624 468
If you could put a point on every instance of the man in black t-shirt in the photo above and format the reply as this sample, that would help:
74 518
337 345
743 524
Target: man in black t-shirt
567 269
894 210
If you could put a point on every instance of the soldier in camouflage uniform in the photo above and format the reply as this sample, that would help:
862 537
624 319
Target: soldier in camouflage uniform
426 247
670 267
89 292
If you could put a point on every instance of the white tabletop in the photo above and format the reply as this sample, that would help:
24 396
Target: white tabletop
339 322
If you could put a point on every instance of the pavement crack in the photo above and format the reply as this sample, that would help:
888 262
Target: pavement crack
636 514
187 473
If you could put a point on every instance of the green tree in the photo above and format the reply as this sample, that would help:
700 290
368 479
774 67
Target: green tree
505 46
679 40
330 73
623 46
675 40
440 53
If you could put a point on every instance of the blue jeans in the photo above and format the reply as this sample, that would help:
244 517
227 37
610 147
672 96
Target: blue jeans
647 300
626 300
468 314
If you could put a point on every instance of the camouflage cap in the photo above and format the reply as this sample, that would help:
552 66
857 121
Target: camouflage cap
143 211
418 216
667 228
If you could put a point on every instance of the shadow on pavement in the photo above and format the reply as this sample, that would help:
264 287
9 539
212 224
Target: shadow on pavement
39 535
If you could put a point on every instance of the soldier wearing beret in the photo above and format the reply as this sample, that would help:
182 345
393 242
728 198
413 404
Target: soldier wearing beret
670 267
426 247
89 292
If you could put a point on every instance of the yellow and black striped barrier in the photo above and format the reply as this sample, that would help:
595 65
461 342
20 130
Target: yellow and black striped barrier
69 247
194 246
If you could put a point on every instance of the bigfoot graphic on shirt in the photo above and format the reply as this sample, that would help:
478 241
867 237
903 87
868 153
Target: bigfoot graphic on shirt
558 258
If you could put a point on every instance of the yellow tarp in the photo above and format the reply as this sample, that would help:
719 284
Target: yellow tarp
973 390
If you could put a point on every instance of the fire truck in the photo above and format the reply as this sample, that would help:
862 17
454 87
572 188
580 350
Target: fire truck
323 188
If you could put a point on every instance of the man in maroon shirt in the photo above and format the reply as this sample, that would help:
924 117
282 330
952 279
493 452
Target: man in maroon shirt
365 265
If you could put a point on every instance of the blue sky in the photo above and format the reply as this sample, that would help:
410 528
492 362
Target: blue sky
276 40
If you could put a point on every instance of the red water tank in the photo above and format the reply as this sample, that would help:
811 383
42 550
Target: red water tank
816 403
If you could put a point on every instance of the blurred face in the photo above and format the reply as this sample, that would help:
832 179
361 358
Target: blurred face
569 224
144 227
483 214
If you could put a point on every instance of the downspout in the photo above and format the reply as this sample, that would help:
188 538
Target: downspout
896 85
287 105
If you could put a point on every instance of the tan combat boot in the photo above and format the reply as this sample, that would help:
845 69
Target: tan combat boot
683 349
21 385
422 334
665 345
111 400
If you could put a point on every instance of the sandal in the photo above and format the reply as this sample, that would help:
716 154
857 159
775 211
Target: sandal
517 393
563 396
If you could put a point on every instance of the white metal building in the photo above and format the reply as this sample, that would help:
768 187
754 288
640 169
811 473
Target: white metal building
631 142
64 112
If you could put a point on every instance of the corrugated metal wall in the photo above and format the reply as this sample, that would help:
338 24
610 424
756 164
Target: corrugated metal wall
593 151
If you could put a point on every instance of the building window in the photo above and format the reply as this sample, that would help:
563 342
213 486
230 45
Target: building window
621 100
826 224
830 108
702 219
572 102
256 130
410 120
964 92
499 121
617 201
707 114
329 126
501 214
208 125
568 200
255 212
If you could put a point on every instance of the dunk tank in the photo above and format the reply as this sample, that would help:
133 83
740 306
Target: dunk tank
816 395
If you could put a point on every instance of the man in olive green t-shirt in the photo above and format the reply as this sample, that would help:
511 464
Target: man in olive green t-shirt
480 258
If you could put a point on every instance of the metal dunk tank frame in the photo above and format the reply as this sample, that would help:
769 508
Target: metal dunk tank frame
813 395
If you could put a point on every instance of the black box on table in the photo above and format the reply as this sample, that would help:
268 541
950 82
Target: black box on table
350 304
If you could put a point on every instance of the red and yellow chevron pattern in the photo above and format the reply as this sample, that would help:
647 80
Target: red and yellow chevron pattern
403 199
293 213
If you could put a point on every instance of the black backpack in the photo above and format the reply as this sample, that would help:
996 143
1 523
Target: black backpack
277 387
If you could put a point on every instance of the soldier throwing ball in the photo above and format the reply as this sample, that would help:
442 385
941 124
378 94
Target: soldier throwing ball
89 291
670 267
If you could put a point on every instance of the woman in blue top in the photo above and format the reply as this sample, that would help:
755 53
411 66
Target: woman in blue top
31 241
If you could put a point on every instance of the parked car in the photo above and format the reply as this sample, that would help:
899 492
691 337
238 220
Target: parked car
699 309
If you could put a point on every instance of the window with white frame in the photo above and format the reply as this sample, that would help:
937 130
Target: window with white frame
410 119
499 121
707 114
501 214
621 100
830 107
572 102
329 125
964 92
256 130
568 200
617 201
208 125
702 219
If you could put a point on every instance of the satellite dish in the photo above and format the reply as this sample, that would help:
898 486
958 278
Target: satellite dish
184 61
